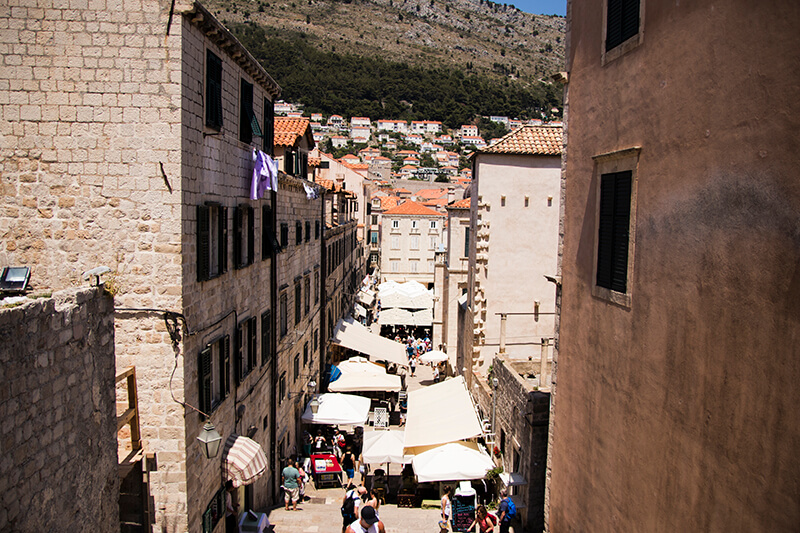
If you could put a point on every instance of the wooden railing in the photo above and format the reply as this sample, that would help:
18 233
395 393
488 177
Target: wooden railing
131 414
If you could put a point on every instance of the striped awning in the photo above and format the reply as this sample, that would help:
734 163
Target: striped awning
244 460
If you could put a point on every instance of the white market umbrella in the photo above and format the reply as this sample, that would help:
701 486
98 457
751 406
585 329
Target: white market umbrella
344 409
454 461
384 447
434 356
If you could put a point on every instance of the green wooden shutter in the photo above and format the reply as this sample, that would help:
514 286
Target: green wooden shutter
251 235
266 330
204 371
203 242
226 366
246 112
223 239
252 351
238 220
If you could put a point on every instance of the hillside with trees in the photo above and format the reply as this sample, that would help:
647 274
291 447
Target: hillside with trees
352 85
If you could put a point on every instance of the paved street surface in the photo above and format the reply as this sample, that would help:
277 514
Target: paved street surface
321 514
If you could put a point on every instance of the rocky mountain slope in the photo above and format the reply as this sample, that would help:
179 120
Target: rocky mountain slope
474 35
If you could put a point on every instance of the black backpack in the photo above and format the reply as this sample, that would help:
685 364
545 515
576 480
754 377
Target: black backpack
349 507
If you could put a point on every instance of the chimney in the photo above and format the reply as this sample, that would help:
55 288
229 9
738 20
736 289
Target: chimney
451 194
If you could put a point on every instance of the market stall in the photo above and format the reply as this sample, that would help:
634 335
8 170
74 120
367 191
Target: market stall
326 470
384 446
453 461
335 409
350 334
359 374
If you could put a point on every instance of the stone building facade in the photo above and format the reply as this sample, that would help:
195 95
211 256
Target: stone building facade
410 234
514 221
678 354
58 414
127 140
521 418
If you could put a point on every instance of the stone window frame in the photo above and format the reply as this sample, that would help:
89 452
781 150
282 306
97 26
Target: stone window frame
266 336
212 240
246 349
243 236
213 97
214 360
617 161
607 56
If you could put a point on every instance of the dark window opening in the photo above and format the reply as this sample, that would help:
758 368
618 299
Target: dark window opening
269 127
266 337
212 241
213 90
614 230
248 123
622 22
243 236
284 235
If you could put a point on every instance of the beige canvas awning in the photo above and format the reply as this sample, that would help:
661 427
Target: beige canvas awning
351 334
358 374
244 460
440 413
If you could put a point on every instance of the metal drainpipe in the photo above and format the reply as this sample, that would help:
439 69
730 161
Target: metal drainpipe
273 403
503 318
323 279
495 383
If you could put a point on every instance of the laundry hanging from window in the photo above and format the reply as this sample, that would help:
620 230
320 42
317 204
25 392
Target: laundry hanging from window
265 175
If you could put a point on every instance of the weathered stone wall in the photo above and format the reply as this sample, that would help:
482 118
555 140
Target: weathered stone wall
522 417
58 415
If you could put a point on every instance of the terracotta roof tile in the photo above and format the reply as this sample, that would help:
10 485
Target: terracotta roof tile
460 204
289 129
529 140
409 207
431 193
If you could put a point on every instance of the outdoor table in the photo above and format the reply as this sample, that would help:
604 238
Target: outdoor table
326 469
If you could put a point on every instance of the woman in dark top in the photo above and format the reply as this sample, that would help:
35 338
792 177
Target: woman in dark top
349 465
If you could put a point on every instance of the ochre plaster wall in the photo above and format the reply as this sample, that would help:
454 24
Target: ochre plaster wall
677 413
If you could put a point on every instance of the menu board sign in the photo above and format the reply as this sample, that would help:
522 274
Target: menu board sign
463 512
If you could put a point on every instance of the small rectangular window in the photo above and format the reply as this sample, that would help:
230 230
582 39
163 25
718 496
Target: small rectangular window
373 238
415 242
307 296
395 243
296 367
212 241
269 242
316 286
413 264
266 337
614 230
316 229
308 230
414 224
297 302
395 224
283 318
298 232
243 236
622 22
282 388
248 123
316 340
269 127
284 235
466 242
434 224
213 91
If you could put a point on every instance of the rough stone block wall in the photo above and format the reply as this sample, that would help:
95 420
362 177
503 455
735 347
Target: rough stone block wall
523 415
90 100
58 470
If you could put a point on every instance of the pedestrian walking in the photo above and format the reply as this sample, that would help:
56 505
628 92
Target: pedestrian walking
368 523
506 511
349 465
290 478
447 506
412 363
486 521
350 506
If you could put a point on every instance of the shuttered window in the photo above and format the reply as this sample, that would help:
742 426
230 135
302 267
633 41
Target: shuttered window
316 229
614 230
308 230
269 127
269 241
622 22
213 90
212 241
214 374
284 235
266 337
248 123
246 346
298 290
243 236
283 317
298 232
307 296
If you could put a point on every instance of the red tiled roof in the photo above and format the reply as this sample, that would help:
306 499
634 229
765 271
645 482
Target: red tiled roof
410 207
431 193
357 166
289 129
436 202
387 202
529 140
402 190
460 204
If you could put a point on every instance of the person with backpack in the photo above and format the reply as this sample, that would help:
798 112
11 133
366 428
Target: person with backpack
350 505
507 510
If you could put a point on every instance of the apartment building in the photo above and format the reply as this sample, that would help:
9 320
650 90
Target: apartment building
142 159
515 188
410 235
677 363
